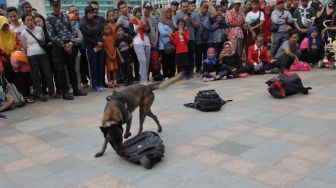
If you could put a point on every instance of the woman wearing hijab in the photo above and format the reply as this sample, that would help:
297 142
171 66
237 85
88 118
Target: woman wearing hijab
9 42
231 62
92 32
166 30
312 47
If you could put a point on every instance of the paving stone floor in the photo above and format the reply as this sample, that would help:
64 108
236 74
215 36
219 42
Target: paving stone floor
254 141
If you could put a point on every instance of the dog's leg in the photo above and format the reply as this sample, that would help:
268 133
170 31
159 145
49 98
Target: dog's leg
142 117
128 127
154 117
101 152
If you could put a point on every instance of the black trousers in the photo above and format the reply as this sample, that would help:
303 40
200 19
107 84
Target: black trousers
64 60
39 64
192 62
84 67
168 64
201 50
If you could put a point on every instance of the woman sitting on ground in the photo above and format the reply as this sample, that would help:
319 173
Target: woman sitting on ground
231 62
312 47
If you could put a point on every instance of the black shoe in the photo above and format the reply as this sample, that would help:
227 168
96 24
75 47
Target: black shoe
79 93
67 96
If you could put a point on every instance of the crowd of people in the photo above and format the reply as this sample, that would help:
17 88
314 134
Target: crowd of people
217 41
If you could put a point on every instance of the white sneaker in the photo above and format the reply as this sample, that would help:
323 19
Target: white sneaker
166 78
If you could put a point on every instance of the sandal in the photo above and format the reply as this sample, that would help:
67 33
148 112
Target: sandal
29 100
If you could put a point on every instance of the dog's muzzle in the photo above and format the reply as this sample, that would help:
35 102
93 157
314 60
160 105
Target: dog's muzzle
114 135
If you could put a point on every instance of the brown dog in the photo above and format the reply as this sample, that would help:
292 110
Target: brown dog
121 105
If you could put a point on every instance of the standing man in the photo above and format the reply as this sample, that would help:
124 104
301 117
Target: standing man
192 23
282 18
15 24
26 7
153 36
62 36
203 34
235 19
304 18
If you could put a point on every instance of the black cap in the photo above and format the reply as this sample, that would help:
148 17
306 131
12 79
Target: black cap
55 2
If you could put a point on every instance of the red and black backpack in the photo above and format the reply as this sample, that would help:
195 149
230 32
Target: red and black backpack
286 84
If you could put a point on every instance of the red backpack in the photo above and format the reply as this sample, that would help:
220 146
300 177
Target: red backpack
286 84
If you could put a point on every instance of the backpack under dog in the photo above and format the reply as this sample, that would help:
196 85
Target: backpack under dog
145 148
286 84
207 101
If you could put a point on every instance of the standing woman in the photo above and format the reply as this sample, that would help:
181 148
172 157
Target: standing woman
139 29
32 38
9 42
92 32
166 30
40 22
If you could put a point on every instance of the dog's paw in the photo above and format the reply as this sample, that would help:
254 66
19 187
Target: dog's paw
99 154
127 135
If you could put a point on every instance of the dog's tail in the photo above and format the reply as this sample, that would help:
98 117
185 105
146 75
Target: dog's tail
167 83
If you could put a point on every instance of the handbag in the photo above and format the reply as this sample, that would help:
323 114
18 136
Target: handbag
40 43
168 47
12 93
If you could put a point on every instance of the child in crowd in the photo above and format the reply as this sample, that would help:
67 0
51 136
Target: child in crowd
124 46
180 39
110 57
210 66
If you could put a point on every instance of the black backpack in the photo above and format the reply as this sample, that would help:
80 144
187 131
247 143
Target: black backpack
207 101
145 148
286 84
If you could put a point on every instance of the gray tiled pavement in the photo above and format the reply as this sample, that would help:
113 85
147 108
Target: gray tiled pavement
254 141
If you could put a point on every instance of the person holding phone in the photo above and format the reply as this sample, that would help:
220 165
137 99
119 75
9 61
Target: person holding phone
192 23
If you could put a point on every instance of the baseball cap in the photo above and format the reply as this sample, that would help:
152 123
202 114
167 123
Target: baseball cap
279 1
237 1
147 4
55 2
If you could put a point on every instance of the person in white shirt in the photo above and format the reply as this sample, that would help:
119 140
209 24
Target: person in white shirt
254 20
15 24
32 41
139 29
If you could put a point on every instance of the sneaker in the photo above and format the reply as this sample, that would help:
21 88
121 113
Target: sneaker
85 85
205 79
79 92
114 85
166 78
43 98
67 96
148 82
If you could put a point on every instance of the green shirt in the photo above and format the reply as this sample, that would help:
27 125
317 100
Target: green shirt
304 16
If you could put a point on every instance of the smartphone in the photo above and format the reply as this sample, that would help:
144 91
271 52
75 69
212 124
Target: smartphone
189 14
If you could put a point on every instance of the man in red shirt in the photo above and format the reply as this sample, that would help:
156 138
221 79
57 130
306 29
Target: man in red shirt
259 60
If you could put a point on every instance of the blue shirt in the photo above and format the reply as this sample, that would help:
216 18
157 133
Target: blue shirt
163 37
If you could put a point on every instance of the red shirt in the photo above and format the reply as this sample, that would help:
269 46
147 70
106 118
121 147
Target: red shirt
181 42
255 55
265 29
